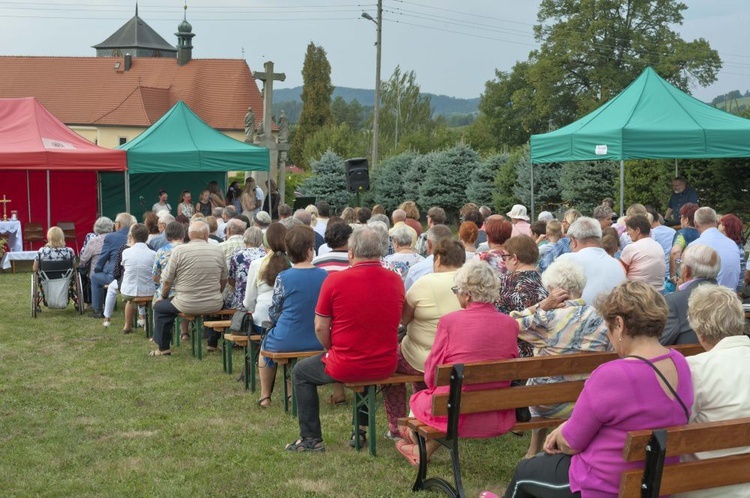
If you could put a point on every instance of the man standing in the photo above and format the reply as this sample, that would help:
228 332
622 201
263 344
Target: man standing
603 272
356 321
198 272
105 266
706 223
434 236
681 194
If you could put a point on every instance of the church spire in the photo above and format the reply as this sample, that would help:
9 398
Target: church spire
136 9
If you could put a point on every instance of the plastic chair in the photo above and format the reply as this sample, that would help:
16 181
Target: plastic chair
69 229
33 232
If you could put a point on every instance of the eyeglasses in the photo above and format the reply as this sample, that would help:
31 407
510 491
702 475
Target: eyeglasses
506 256
678 261
455 289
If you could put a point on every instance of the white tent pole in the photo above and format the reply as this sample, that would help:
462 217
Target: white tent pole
28 194
127 191
622 187
532 192
49 208
676 170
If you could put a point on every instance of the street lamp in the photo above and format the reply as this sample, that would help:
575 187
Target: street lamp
376 107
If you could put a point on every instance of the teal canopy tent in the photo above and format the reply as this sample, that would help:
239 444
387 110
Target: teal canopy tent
650 119
180 152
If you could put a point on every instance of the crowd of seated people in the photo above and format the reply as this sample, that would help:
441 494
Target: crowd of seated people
491 287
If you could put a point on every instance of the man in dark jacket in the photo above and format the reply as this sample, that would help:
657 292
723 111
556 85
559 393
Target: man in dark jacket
105 266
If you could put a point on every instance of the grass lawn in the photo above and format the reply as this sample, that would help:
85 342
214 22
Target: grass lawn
85 412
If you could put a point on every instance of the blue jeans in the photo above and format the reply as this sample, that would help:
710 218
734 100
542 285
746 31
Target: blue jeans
308 375
98 281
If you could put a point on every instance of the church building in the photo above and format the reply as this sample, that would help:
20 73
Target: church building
135 78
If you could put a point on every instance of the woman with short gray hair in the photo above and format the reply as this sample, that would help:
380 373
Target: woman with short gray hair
239 266
562 323
403 257
716 314
92 247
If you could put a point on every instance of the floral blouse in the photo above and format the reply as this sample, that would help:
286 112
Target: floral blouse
160 263
55 254
519 290
238 269
494 258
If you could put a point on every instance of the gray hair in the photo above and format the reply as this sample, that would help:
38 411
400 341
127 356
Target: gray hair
585 228
166 218
380 217
398 215
479 280
703 260
567 275
402 235
235 226
303 216
103 225
438 233
198 227
230 211
217 212
125 220
705 216
715 312
369 242
289 223
545 216
253 237
603 212
485 210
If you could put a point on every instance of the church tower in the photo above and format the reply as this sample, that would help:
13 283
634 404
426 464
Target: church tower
136 38
184 41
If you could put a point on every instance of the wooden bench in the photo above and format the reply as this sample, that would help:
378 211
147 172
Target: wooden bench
365 393
287 361
456 403
147 302
221 326
658 478
195 329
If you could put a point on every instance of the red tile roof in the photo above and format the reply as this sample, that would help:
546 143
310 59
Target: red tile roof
90 91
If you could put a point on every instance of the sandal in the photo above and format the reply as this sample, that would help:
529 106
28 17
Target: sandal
362 435
157 352
261 400
406 435
407 450
184 337
336 401
306 444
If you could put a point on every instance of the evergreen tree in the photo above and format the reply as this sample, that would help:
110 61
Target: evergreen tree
414 177
447 178
328 182
504 196
482 184
316 101
388 186
546 183
585 184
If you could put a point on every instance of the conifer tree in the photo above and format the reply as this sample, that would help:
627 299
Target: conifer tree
389 184
482 184
447 178
328 182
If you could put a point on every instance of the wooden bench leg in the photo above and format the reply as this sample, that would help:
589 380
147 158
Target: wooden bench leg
177 331
284 377
366 401
246 366
198 323
254 350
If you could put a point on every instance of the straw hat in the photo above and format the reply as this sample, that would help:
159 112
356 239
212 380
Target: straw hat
518 213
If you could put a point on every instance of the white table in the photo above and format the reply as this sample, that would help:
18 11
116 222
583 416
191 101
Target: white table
10 258
15 236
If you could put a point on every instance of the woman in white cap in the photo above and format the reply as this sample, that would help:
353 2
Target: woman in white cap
520 220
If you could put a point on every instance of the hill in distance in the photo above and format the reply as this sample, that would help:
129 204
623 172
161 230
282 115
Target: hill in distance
442 105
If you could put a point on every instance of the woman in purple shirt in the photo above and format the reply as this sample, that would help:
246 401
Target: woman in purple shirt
648 388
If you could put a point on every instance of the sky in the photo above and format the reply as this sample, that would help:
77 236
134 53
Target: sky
453 47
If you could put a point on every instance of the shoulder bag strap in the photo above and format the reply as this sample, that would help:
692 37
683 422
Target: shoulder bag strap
669 386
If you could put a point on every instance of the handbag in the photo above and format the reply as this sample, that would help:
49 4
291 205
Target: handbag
242 323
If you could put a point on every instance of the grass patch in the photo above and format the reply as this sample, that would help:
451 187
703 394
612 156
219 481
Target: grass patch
84 412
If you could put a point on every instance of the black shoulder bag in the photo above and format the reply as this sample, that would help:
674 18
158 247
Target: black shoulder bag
666 382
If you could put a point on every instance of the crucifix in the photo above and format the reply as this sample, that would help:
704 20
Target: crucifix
5 208
267 139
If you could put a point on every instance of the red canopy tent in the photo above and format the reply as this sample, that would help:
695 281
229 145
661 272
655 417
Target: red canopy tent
47 170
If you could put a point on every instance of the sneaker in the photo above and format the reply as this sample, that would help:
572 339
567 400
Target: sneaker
106 322
142 322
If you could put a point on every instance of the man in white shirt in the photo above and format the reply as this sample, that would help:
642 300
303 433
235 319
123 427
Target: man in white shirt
137 279
603 272
706 223
434 235
324 212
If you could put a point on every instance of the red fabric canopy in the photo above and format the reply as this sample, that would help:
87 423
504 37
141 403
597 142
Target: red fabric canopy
32 139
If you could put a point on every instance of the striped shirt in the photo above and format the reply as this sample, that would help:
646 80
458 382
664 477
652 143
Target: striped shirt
196 270
332 261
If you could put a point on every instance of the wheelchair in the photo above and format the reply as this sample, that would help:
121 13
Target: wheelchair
55 284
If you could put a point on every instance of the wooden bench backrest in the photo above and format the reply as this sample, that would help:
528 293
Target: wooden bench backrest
695 475
525 368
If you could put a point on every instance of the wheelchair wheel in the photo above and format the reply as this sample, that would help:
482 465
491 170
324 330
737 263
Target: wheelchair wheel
78 298
34 295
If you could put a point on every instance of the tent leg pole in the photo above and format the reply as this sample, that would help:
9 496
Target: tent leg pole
49 208
532 192
127 192
622 187
28 194
676 169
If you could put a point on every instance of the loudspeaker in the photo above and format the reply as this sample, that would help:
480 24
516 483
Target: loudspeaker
357 174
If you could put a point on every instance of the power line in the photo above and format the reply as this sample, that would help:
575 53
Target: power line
451 20
457 32
432 7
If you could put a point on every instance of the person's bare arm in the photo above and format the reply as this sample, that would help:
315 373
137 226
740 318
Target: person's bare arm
407 313
556 443
323 330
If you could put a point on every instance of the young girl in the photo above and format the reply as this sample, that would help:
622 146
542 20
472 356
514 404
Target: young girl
186 204
204 205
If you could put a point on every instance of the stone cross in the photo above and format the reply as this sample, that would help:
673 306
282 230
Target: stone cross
5 207
267 140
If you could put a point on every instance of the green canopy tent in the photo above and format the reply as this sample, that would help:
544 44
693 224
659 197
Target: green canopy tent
650 119
180 151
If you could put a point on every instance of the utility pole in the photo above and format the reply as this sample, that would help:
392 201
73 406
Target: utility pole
376 109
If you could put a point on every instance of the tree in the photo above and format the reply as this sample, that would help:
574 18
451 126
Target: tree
328 182
590 50
340 139
482 184
504 196
403 111
546 181
388 186
316 101
447 178
352 113
585 184
415 176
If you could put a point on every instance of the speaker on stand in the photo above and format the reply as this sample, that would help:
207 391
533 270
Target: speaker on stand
357 175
